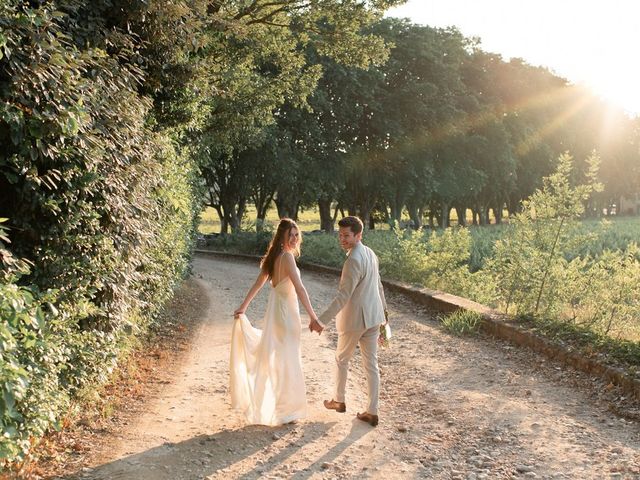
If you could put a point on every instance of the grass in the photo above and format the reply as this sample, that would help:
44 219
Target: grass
589 343
308 219
462 322
613 234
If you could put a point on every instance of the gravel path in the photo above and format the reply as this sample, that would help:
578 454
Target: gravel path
450 408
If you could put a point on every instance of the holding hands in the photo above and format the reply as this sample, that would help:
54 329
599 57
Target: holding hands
315 326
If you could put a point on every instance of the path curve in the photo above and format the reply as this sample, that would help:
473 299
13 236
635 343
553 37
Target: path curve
450 408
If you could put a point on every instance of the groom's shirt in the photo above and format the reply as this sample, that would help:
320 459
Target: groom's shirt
360 301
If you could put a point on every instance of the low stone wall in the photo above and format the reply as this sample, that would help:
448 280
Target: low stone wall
495 323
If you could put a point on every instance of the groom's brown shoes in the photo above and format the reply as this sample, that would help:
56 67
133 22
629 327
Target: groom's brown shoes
339 407
370 418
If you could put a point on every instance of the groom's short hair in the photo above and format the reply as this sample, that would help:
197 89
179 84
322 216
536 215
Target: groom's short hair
354 223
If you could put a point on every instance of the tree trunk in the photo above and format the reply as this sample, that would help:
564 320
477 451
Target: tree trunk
242 208
224 225
326 221
365 212
480 216
396 212
445 211
262 208
483 216
415 214
287 208
232 214
282 208
513 207
336 210
234 223
462 216
497 212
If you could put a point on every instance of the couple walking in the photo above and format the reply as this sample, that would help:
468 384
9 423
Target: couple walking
267 384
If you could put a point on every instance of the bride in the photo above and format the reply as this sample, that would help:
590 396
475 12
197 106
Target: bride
267 384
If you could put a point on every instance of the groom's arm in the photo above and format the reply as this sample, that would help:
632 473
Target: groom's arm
380 288
351 273
384 300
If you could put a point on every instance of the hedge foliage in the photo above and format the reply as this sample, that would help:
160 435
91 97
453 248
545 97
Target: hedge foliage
100 208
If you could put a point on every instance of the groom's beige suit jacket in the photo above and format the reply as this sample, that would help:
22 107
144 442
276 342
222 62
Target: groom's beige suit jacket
360 302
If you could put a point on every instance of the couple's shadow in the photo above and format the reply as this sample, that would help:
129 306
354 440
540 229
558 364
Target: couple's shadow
208 455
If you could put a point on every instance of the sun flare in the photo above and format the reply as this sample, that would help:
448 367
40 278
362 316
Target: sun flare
621 94
588 43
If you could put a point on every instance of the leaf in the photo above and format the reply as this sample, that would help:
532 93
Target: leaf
40 319
9 399
53 309
10 431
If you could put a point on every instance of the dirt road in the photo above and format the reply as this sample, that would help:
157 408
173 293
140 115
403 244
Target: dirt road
450 408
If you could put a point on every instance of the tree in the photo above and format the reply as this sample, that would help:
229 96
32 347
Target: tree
255 55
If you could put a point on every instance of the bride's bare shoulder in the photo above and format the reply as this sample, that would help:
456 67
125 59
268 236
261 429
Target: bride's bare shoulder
289 260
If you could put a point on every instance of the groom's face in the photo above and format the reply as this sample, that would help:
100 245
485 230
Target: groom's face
347 238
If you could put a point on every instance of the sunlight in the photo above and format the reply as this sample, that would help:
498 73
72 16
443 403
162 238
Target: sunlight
586 42
568 96
624 95
537 137
612 122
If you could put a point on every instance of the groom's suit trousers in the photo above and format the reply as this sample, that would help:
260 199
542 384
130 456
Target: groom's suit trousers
347 342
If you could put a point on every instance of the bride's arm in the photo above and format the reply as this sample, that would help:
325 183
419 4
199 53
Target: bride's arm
260 281
292 271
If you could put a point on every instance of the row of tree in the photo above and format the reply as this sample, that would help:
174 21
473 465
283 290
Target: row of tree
440 125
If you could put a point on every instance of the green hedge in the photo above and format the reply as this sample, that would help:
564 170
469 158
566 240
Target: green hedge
101 210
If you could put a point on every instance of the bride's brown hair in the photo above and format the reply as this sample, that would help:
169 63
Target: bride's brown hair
276 246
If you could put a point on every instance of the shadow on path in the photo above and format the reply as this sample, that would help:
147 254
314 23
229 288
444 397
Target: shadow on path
204 455
358 430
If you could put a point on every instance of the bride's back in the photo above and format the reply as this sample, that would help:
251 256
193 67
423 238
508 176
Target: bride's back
279 272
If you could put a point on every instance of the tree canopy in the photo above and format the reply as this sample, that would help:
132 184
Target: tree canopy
440 125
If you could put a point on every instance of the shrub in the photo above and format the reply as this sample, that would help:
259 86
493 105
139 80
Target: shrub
462 322
605 293
438 259
529 268
102 211
31 357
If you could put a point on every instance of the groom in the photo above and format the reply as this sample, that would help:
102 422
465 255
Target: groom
360 308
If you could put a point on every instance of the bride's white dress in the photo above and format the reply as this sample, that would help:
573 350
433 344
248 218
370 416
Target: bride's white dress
267 383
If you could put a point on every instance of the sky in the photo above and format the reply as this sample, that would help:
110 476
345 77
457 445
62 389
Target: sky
590 42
